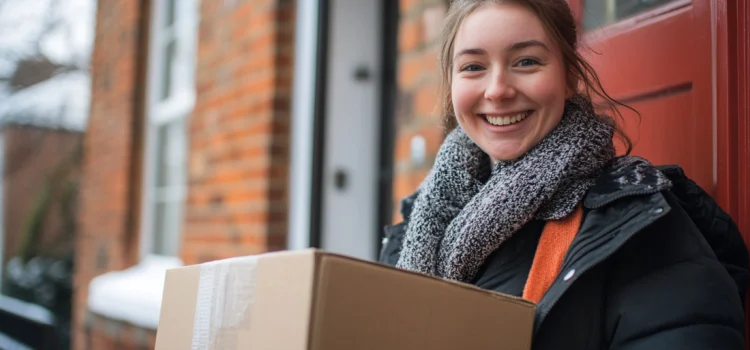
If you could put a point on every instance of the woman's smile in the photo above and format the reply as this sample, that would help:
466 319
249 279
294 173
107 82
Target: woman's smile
505 122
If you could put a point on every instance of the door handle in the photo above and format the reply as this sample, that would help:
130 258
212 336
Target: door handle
340 179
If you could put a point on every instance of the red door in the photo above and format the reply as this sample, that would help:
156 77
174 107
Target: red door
683 64
657 59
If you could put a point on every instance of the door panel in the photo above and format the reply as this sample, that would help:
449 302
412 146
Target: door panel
660 63
662 145
684 66
350 175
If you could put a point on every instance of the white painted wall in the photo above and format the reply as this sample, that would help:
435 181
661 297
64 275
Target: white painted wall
349 215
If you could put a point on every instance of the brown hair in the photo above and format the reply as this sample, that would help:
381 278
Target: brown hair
560 25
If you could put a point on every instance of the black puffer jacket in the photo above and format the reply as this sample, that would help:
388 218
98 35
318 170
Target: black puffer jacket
647 270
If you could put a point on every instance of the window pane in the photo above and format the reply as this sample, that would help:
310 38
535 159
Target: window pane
162 173
170 153
166 237
170 11
599 13
171 234
169 187
166 69
159 214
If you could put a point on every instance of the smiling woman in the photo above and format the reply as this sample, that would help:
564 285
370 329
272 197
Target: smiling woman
527 197
508 91
557 36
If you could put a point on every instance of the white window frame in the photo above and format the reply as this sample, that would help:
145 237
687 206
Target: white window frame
303 115
175 108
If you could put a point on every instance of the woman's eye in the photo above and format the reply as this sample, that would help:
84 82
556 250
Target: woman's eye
527 62
471 68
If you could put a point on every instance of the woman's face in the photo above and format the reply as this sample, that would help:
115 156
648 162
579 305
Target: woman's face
508 80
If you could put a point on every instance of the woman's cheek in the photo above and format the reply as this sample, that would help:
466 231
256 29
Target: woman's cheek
463 98
543 92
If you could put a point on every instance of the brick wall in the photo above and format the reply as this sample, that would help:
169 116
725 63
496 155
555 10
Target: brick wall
239 145
418 105
31 156
238 134
107 241
238 160
104 333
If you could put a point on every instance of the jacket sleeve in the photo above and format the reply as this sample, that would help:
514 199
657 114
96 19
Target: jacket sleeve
666 311
717 227
391 250
394 235
671 292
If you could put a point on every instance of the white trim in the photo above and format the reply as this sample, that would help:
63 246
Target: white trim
2 206
149 139
303 114
176 108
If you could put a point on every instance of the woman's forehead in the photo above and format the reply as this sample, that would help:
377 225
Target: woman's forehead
499 26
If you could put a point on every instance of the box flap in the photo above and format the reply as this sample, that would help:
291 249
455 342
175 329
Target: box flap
178 308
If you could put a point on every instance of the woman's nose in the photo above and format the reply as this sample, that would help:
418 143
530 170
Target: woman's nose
499 87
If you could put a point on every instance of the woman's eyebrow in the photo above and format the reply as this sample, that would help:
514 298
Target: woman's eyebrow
513 47
528 43
471 52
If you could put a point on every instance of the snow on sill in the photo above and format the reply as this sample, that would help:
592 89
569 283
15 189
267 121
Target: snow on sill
132 295
59 102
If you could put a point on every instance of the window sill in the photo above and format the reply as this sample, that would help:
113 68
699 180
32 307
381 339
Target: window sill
132 295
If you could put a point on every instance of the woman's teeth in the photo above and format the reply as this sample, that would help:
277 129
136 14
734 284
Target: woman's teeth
506 120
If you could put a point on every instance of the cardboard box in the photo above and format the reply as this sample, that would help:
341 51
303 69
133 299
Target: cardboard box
315 300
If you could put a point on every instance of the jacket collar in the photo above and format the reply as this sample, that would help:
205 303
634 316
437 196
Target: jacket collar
625 177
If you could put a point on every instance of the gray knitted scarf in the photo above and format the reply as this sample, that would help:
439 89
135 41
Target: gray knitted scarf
466 207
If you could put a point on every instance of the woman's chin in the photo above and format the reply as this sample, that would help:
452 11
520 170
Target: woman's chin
505 153
503 147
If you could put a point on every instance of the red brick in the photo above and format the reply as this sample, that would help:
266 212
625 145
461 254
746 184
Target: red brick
411 35
406 183
234 123
427 101
418 78
261 61
410 71
105 201
430 67
432 20
406 7
402 187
